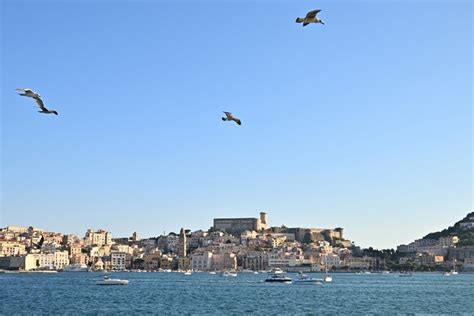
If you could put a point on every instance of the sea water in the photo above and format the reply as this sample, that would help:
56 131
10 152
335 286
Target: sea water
203 293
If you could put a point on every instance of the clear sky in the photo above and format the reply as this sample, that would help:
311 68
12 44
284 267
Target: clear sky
364 123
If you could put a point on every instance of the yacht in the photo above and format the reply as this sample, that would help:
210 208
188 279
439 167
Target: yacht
278 278
187 273
277 271
212 272
229 274
76 268
306 279
109 281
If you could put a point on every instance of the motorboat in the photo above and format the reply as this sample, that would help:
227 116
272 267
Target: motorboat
277 271
255 272
278 278
229 274
306 279
187 273
109 281
212 272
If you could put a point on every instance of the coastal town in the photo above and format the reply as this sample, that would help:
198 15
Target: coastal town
232 244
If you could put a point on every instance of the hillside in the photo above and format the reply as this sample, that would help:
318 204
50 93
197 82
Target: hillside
464 229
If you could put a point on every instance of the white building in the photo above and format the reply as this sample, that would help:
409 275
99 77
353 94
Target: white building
52 261
118 260
201 261
332 260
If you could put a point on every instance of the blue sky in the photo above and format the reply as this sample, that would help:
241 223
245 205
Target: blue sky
364 123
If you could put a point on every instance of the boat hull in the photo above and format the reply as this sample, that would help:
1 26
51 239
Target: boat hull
113 282
278 280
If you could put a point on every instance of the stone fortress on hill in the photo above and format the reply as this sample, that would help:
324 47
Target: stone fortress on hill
237 226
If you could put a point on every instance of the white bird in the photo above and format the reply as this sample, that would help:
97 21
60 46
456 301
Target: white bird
28 93
43 108
311 17
230 117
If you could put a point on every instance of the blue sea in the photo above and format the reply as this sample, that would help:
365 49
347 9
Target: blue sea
204 294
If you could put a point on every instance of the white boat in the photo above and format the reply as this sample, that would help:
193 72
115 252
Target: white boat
187 273
277 271
327 276
278 278
76 268
109 281
212 272
255 272
229 274
306 279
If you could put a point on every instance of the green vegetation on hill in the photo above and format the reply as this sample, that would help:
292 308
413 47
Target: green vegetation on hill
466 235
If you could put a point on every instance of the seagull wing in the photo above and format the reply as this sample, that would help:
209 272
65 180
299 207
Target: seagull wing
40 104
40 243
312 14
228 114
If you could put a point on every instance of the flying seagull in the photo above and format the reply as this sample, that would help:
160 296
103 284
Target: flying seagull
36 246
28 93
230 117
311 17
43 108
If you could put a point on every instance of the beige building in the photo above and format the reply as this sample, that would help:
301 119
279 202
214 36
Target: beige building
123 248
98 238
11 248
152 261
80 259
224 261
75 250
257 260
360 263
184 263
166 262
